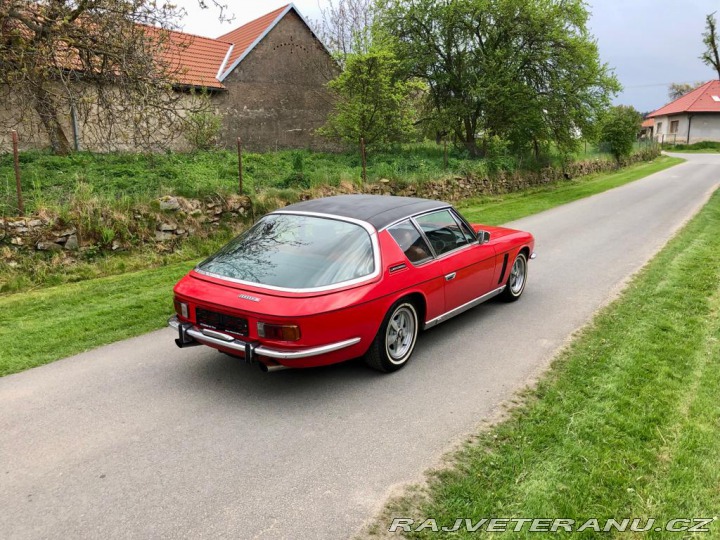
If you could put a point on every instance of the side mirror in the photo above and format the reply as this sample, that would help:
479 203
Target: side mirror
483 237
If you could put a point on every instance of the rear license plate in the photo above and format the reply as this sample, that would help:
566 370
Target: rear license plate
221 322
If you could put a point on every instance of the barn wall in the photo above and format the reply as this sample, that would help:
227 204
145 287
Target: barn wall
92 135
31 134
277 97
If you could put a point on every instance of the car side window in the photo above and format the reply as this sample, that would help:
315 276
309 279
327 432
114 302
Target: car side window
410 241
469 234
442 231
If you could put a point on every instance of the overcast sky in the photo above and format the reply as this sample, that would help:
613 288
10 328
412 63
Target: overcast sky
649 43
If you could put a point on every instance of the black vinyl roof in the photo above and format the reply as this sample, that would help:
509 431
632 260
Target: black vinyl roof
377 210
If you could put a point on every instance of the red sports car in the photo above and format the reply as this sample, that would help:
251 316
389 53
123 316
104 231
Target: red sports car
331 279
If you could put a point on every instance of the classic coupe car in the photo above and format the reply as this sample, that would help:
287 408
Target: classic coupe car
331 279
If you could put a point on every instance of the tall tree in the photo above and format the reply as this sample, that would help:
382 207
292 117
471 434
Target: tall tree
678 90
108 61
710 39
525 70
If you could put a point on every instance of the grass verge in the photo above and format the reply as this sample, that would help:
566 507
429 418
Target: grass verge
705 147
505 208
38 327
624 425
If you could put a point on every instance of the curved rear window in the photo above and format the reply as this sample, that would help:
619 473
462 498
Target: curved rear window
296 252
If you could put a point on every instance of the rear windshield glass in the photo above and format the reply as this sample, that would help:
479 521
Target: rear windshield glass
298 252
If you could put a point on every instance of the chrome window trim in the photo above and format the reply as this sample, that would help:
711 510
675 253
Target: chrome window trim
420 232
462 221
357 281
413 216
424 237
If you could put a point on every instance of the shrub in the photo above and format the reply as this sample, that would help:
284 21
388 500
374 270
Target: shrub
619 130
202 130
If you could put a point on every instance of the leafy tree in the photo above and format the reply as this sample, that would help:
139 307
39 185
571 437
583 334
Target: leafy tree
108 60
620 128
525 70
678 90
710 39
373 99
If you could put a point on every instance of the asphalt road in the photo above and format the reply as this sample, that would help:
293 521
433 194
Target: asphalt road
143 440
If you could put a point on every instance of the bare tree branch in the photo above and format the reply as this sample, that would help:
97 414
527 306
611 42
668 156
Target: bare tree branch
114 62
710 39
345 26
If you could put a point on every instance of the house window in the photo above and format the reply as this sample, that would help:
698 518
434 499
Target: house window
659 128
674 126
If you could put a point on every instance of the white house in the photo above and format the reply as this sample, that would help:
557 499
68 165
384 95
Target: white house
692 118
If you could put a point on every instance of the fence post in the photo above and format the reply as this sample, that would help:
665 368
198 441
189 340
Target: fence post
364 159
75 130
240 164
16 158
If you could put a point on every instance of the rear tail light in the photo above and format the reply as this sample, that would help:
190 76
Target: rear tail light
280 332
181 308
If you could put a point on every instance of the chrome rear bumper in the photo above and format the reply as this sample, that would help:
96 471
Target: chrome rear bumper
189 333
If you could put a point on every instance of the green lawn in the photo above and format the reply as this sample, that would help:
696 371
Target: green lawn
625 424
40 326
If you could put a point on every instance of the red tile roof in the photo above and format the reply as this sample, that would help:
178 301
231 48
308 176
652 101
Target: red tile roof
192 60
706 98
244 37
649 122
195 60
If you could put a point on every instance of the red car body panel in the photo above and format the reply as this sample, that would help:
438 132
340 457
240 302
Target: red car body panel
357 311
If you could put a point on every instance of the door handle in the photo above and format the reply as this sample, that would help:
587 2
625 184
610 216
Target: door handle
450 277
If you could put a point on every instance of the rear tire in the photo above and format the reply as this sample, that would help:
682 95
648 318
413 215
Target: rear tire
395 341
517 279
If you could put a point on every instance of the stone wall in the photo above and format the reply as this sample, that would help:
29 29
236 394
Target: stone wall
172 219
458 188
97 131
